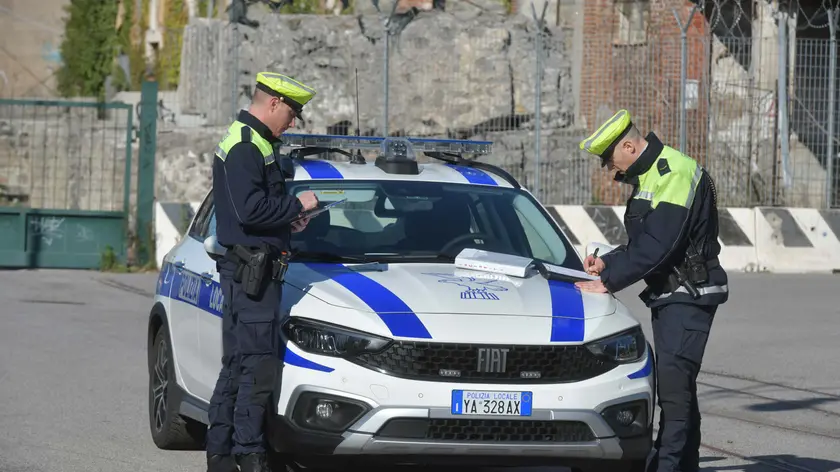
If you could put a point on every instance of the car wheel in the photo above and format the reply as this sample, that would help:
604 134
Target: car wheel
169 429
278 462
638 465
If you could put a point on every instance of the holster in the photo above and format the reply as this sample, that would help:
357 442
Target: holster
692 271
252 267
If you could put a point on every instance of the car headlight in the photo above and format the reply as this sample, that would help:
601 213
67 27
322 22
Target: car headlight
623 348
317 337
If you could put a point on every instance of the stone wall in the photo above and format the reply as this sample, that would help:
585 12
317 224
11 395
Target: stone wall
468 72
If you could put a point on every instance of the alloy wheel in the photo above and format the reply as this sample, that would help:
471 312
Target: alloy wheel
160 384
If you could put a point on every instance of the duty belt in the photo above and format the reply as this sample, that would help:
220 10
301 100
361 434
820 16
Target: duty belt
672 283
253 264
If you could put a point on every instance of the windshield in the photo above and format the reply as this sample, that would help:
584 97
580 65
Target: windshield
426 221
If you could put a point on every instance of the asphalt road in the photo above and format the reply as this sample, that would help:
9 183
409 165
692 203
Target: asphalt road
73 375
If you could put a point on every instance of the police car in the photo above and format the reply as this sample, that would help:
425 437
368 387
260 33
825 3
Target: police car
430 316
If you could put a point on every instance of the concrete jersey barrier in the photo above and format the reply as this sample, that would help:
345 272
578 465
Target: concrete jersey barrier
762 239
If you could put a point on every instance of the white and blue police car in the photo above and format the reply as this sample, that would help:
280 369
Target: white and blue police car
430 316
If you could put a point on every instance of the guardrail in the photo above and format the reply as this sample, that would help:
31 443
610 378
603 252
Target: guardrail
763 239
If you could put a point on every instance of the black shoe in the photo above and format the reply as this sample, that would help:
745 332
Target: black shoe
255 462
221 463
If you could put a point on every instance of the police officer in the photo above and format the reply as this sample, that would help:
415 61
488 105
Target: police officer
672 227
254 221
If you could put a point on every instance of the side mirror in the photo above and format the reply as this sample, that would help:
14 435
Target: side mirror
215 250
287 167
602 248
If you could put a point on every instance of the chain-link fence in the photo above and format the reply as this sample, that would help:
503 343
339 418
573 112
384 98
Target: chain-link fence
747 95
64 155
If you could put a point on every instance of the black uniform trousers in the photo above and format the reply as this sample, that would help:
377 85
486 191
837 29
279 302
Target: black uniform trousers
680 334
250 366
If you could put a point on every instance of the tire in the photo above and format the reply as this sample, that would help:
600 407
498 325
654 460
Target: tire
638 465
170 431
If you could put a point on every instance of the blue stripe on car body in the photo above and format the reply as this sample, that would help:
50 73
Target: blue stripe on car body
645 370
210 300
567 313
321 169
474 176
292 358
396 315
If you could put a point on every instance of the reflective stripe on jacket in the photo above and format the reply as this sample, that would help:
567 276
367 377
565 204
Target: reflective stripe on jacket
673 204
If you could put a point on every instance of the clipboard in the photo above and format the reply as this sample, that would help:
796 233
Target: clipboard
318 211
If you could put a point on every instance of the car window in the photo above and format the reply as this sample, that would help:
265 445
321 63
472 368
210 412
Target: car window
210 230
423 221
203 217
530 219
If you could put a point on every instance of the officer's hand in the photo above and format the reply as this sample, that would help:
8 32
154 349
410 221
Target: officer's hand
593 265
595 286
308 200
299 225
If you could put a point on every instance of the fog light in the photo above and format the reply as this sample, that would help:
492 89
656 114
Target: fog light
628 419
324 409
327 413
625 417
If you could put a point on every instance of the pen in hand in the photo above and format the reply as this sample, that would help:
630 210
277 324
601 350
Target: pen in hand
594 258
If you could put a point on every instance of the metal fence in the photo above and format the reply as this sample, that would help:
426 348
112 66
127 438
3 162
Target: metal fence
64 155
756 109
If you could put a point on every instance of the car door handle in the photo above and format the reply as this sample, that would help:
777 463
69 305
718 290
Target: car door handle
208 277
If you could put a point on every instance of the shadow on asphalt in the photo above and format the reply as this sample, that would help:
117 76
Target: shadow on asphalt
788 405
773 463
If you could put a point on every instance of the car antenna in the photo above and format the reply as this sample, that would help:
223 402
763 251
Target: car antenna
357 158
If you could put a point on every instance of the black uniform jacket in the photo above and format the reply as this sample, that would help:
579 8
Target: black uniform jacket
253 207
659 237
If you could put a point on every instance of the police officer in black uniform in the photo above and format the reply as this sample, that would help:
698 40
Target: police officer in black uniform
254 219
672 227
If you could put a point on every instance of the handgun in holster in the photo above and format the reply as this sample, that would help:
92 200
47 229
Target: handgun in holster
251 269
691 271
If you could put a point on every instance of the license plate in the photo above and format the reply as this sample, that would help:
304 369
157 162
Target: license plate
488 403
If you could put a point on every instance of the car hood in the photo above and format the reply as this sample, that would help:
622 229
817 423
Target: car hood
443 289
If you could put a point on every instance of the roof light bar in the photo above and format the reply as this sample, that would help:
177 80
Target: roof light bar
375 142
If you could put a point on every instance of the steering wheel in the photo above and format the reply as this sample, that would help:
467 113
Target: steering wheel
457 239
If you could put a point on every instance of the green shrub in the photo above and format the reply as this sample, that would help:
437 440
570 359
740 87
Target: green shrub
89 47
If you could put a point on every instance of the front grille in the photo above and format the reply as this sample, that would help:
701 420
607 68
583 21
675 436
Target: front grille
445 362
499 431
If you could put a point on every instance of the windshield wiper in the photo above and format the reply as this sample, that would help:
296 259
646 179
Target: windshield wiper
369 257
401 257
327 257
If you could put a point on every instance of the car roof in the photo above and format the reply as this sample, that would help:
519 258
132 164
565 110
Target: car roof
320 169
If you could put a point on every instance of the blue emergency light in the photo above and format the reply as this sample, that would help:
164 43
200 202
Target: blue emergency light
396 155
457 146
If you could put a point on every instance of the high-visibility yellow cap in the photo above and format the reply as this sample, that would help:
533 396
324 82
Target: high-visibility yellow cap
293 93
602 141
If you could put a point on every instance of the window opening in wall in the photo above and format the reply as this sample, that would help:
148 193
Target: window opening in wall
633 17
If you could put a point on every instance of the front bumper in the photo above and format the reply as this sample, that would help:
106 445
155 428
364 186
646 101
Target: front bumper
386 434
395 420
